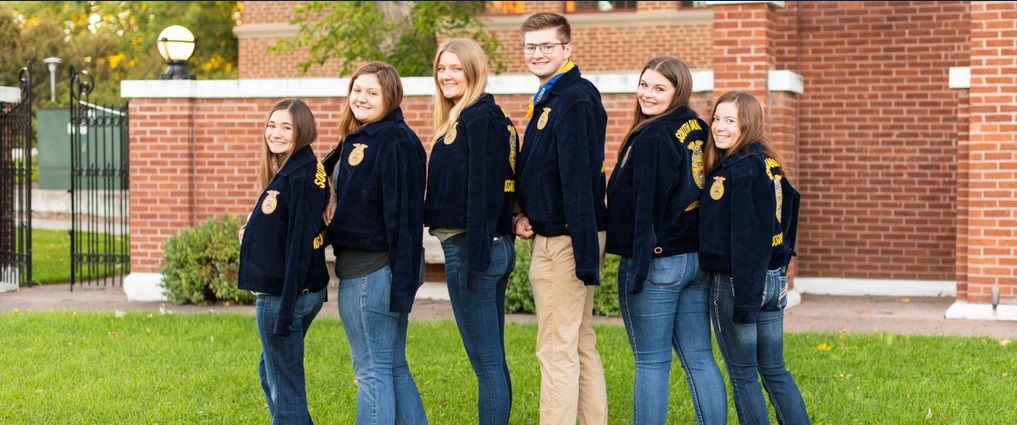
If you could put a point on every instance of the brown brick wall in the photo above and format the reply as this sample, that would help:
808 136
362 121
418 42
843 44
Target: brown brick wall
878 138
991 154
622 48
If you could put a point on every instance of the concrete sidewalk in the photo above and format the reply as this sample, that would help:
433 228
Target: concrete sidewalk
816 313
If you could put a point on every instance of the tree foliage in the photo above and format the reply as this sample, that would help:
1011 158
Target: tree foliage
404 34
112 41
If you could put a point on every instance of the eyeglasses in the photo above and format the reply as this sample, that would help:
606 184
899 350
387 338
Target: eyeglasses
546 48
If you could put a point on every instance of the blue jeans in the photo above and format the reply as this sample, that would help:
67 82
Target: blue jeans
756 350
281 366
672 310
480 315
386 393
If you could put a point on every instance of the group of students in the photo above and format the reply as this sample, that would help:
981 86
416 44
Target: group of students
701 214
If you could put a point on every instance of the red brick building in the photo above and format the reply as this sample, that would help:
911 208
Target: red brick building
898 120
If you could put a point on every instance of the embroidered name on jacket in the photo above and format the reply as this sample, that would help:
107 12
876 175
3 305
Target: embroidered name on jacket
319 176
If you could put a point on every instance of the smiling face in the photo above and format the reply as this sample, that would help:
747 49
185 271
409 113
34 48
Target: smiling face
726 128
279 132
366 99
655 93
546 65
451 77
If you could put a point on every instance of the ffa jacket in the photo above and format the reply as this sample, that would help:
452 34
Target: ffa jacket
748 223
380 199
471 180
560 173
283 248
653 195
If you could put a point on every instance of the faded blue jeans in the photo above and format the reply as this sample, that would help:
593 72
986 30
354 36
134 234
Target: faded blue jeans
755 350
387 393
281 366
672 311
480 315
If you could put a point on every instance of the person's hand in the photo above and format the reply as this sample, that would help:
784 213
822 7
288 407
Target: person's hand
329 210
240 233
521 225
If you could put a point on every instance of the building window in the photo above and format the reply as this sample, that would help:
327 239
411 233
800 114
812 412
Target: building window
693 4
504 7
600 6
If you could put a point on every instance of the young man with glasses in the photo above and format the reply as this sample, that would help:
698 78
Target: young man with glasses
560 193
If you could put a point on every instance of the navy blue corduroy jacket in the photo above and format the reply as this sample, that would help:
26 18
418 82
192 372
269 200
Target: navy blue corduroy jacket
283 249
471 181
653 195
380 200
748 221
560 175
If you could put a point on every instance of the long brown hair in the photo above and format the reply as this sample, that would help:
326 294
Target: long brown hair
391 92
679 75
474 61
750 122
305 132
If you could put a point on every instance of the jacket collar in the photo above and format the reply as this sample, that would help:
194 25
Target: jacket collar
373 128
564 82
753 149
299 159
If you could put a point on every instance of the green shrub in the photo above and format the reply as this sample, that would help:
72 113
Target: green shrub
200 264
519 296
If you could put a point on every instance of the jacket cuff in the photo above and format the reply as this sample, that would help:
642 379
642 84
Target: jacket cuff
590 277
744 315
282 326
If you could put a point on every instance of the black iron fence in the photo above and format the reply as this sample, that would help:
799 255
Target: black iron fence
16 186
100 243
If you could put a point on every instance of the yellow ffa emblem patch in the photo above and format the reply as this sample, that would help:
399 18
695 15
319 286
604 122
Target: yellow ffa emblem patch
698 167
270 202
542 121
358 154
779 193
513 146
451 135
717 189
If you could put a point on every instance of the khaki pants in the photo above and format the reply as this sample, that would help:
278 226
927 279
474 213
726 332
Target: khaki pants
571 373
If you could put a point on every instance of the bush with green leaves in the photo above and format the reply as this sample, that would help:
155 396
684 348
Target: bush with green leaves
201 263
519 296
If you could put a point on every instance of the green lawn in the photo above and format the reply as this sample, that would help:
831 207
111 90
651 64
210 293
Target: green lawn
51 256
108 368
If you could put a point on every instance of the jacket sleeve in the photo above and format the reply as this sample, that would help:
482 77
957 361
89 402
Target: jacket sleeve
653 170
752 206
578 147
480 189
403 207
301 226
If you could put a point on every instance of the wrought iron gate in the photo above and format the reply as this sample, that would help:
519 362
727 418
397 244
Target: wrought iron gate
100 245
16 186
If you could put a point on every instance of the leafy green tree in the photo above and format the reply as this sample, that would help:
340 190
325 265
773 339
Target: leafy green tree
404 34
112 41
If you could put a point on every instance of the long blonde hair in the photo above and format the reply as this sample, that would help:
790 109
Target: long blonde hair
447 111
750 122
305 132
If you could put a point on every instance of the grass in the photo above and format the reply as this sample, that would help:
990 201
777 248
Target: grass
51 256
139 367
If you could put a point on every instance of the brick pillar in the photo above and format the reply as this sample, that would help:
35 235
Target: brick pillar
745 38
987 183
162 186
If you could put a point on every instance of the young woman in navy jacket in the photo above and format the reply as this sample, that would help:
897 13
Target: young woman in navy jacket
375 226
653 224
748 222
468 207
282 257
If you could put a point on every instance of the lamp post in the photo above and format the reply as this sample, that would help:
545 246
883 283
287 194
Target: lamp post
176 44
52 63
